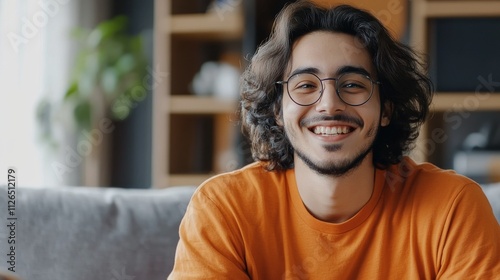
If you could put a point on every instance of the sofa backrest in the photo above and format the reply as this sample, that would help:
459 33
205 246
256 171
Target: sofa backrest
99 233
91 233
492 192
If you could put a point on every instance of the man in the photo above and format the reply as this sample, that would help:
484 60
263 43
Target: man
331 103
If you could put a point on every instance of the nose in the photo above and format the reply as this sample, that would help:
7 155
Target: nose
330 102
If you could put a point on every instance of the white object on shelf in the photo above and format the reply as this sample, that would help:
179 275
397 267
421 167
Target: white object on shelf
218 79
476 163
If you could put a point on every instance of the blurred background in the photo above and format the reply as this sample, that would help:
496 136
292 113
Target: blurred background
143 94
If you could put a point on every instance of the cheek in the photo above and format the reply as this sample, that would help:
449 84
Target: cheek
372 131
373 107
371 116
291 112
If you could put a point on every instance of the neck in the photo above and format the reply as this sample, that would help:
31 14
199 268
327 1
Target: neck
335 199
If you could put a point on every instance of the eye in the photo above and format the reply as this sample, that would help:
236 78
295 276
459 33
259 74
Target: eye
353 84
306 84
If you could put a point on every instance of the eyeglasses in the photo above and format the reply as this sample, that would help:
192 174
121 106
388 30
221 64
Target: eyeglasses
305 89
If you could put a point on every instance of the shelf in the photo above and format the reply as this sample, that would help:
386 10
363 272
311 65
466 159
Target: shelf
184 104
187 179
466 101
461 8
206 26
423 12
193 135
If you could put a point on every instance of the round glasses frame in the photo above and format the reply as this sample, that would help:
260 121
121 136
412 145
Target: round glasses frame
336 88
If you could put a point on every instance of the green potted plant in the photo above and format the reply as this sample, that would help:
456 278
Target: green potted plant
108 80
108 74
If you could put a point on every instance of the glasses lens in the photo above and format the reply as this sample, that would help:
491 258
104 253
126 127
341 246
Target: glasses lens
304 88
354 89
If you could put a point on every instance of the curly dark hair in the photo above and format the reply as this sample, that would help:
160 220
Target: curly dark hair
403 82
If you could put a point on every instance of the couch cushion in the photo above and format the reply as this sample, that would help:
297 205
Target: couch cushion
94 233
492 191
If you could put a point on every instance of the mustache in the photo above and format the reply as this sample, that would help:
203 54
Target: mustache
340 117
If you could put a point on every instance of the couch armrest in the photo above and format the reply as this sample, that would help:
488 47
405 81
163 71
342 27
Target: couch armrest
94 233
492 192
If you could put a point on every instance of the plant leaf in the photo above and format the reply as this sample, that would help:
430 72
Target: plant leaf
109 80
125 63
82 114
72 90
114 26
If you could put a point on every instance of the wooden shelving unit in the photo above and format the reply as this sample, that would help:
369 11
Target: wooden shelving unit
207 26
190 133
185 104
467 100
422 13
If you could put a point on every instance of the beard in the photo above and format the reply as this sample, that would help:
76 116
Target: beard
335 168
342 167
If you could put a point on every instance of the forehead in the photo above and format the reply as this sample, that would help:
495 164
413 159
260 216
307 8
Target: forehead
328 52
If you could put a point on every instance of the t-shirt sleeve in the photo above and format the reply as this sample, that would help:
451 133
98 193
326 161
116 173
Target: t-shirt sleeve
470 243
209 247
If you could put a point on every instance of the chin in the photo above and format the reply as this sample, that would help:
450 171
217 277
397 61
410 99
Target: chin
336 167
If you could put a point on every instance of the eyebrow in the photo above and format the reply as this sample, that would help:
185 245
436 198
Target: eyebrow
340 71
313 70
353 69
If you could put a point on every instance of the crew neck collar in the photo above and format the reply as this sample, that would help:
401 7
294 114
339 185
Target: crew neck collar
335 228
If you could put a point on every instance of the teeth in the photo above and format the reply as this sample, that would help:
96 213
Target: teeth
325 130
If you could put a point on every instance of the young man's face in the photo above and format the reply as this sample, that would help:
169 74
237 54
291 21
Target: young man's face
330 136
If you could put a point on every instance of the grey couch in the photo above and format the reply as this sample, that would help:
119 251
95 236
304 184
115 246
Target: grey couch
492 191
108 234
77 233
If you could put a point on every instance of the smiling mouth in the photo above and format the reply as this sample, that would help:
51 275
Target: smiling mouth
332 130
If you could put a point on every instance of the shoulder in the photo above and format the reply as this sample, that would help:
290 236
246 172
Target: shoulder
427 177
437 200
252 185
252 176
432 189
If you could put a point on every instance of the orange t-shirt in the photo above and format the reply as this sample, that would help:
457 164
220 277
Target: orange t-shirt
421 222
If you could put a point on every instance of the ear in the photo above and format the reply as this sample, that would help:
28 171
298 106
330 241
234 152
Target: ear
386 113
279 119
